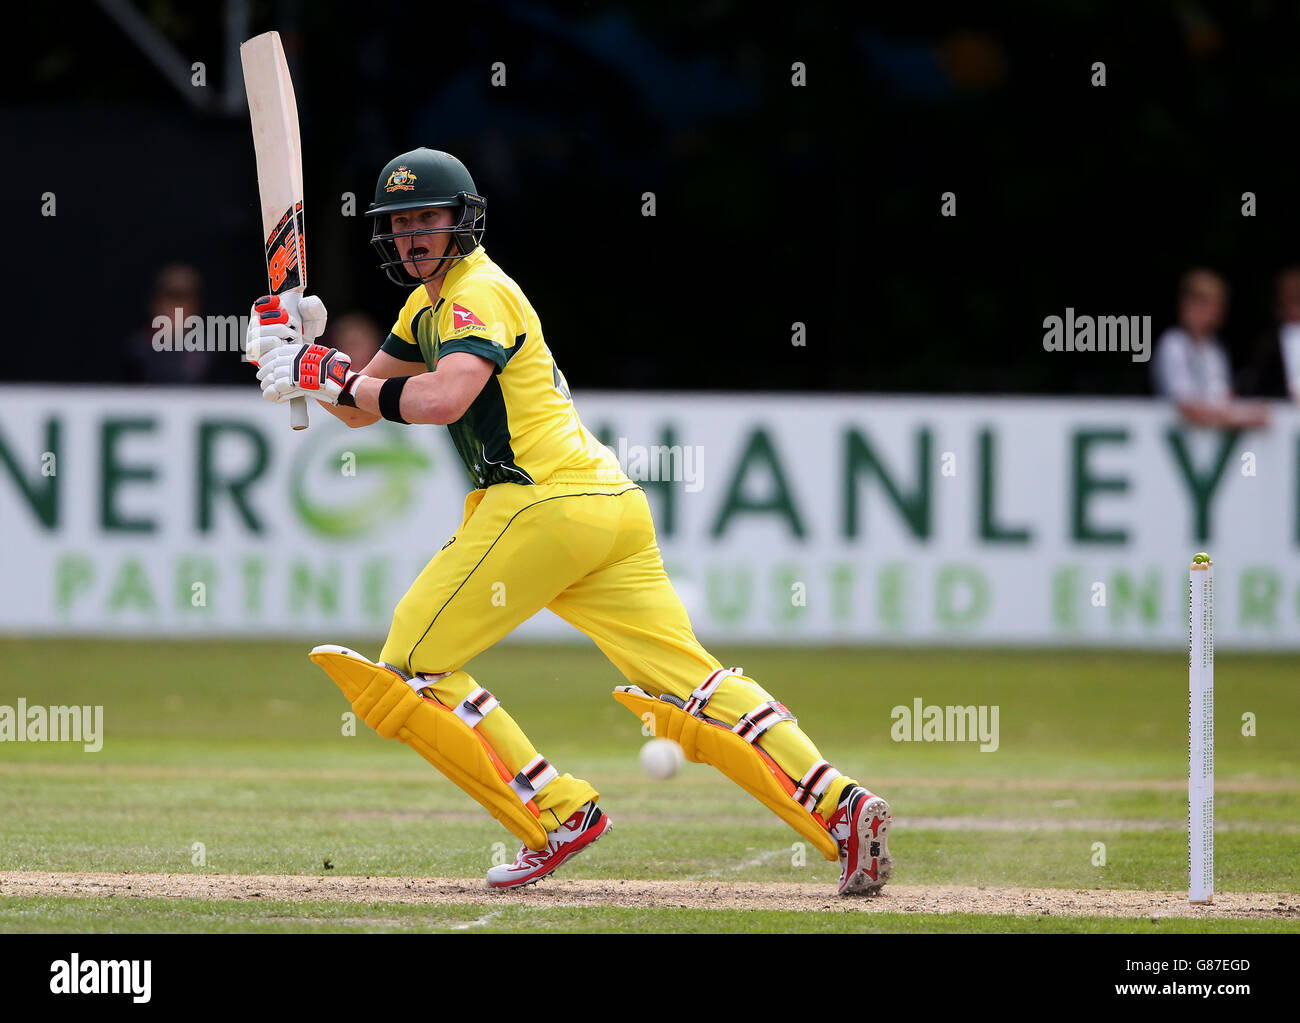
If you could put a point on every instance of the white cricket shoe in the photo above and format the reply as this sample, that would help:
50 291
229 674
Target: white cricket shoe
588 823
860 827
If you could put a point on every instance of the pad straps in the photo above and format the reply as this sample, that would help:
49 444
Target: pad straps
477 705
705 690
813 785
535 776
760 719
751 725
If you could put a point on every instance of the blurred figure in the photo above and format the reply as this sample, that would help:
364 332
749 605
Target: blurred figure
356 335
1274 371
1191 366
177 294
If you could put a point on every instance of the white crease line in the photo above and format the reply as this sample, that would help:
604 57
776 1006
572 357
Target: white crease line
475 923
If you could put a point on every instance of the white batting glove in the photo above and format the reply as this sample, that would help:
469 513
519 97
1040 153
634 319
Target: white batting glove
307 371
277 320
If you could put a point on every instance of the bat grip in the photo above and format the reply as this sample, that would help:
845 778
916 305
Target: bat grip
298 413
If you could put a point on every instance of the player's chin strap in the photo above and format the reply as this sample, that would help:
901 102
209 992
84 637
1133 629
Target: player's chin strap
734 752
393 704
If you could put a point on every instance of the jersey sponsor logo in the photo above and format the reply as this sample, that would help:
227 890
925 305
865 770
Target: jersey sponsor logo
473 328
462 317
464 322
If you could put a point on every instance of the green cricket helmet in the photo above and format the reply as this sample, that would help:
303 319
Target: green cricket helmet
417 180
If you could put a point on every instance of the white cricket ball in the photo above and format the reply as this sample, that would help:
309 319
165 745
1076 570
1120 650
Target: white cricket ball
660 758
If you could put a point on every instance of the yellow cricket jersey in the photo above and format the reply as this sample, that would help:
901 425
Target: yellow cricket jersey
522 427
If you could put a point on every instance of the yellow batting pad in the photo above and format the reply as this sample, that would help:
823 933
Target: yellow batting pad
742 762
388 704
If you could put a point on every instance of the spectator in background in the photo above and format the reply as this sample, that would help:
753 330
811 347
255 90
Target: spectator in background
356 335
177 294
1274 371
1191 366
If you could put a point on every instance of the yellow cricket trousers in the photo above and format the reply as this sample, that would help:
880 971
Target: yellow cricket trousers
587 551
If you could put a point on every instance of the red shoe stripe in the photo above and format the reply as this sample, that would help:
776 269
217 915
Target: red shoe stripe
544 862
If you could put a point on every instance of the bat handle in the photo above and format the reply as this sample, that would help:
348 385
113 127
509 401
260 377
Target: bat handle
298 413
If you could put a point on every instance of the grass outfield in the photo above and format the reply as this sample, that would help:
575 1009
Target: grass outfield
239 746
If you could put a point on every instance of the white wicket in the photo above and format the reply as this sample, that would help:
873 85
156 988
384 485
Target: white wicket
1200 735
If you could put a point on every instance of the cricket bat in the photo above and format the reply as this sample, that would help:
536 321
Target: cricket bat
274 113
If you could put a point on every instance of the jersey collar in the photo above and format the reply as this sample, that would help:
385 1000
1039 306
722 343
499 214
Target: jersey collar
453 276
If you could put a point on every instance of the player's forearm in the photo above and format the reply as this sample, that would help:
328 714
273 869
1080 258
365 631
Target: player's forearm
423 399
353 417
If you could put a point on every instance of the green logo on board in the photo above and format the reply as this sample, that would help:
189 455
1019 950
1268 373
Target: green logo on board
342 490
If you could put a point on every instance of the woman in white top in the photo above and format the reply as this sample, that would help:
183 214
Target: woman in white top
1191 365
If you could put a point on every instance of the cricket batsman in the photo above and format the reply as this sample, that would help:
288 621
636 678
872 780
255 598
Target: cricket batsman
552 522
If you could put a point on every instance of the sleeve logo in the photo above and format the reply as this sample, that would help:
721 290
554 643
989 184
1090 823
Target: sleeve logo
462 317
